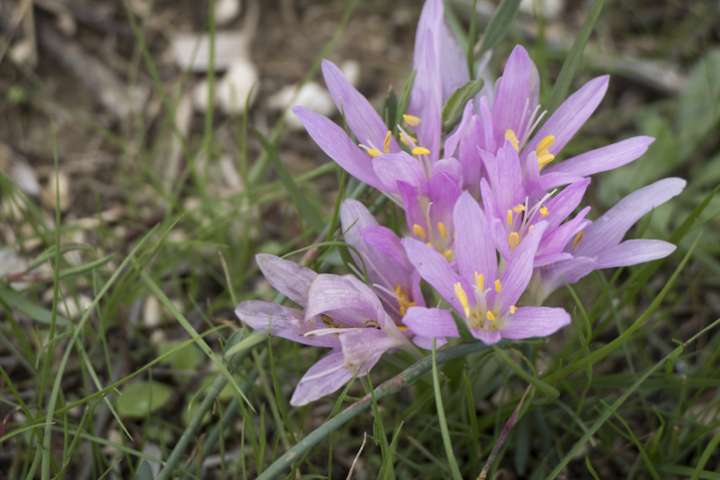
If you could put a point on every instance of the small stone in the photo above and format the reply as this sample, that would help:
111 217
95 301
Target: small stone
152 314
58 187
226 10
24 177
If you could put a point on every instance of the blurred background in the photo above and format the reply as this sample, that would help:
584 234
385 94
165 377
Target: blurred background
115 119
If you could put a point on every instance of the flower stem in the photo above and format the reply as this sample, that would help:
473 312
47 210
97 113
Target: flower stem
389 387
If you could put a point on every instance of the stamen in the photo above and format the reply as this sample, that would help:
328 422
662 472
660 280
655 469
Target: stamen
372 151
404 302
402 328
407 139
511 137
498 286
578 238
519 208
544 159
448 254
545 143
462 298
386 141
513 309
513 239
419 231
479 281
411 120
442 230
544 211
509 217
490 316
420 151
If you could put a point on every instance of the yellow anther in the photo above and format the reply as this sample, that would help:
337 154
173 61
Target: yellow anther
519 208
490 316
411 120
419 231
407 140
442 230
479 281
386 141
498 286
403 300
372 151
420 151
546 142
448 254
544 159
513 239
511 137
542 151
513 309
578 238
402 328
544 211
509 217
462 298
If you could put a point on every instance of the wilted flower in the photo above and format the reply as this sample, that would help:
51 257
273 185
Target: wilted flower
341 313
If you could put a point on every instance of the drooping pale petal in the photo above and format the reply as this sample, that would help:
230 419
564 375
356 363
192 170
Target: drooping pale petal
345 299
474 245
431 322
395 167
288 278
282 322
360 115
572 114
325 377
604 158
434 268
632 252
363 348
563 273
516 95
488 337
608 230
337 145
556 240
528 322
519 270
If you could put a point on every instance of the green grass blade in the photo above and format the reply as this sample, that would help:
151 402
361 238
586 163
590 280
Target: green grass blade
442 420
573 59
499 24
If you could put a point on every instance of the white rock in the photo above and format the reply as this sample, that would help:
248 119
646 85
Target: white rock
311 96
232 90
351 69
152 314
61 184
73 307
226 10
12 263
549 9
192 51
24 177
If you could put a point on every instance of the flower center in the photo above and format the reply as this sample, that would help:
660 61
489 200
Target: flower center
403 300
479 315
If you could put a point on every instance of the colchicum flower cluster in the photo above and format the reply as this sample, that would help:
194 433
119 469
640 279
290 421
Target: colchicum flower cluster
494 216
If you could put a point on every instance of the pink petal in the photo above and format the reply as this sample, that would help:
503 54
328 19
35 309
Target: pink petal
288 278
431 322
394 167
632 252
516 95
323 378
434 268
530 322
474 245
520 268
604 158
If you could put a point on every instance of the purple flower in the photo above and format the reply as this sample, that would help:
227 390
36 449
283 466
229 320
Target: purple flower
341 313
601 245
484 294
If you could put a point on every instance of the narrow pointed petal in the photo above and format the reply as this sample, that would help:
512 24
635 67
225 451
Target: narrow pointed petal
364 121
337 145
516 95
388 259
529 322
288 278
520 268
355 218
564 273
395 167
426 98
564 203
608 230
431 322
572 114
452 142
282 322
434 268
486 336
474 245
323 378
632 252
605 158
